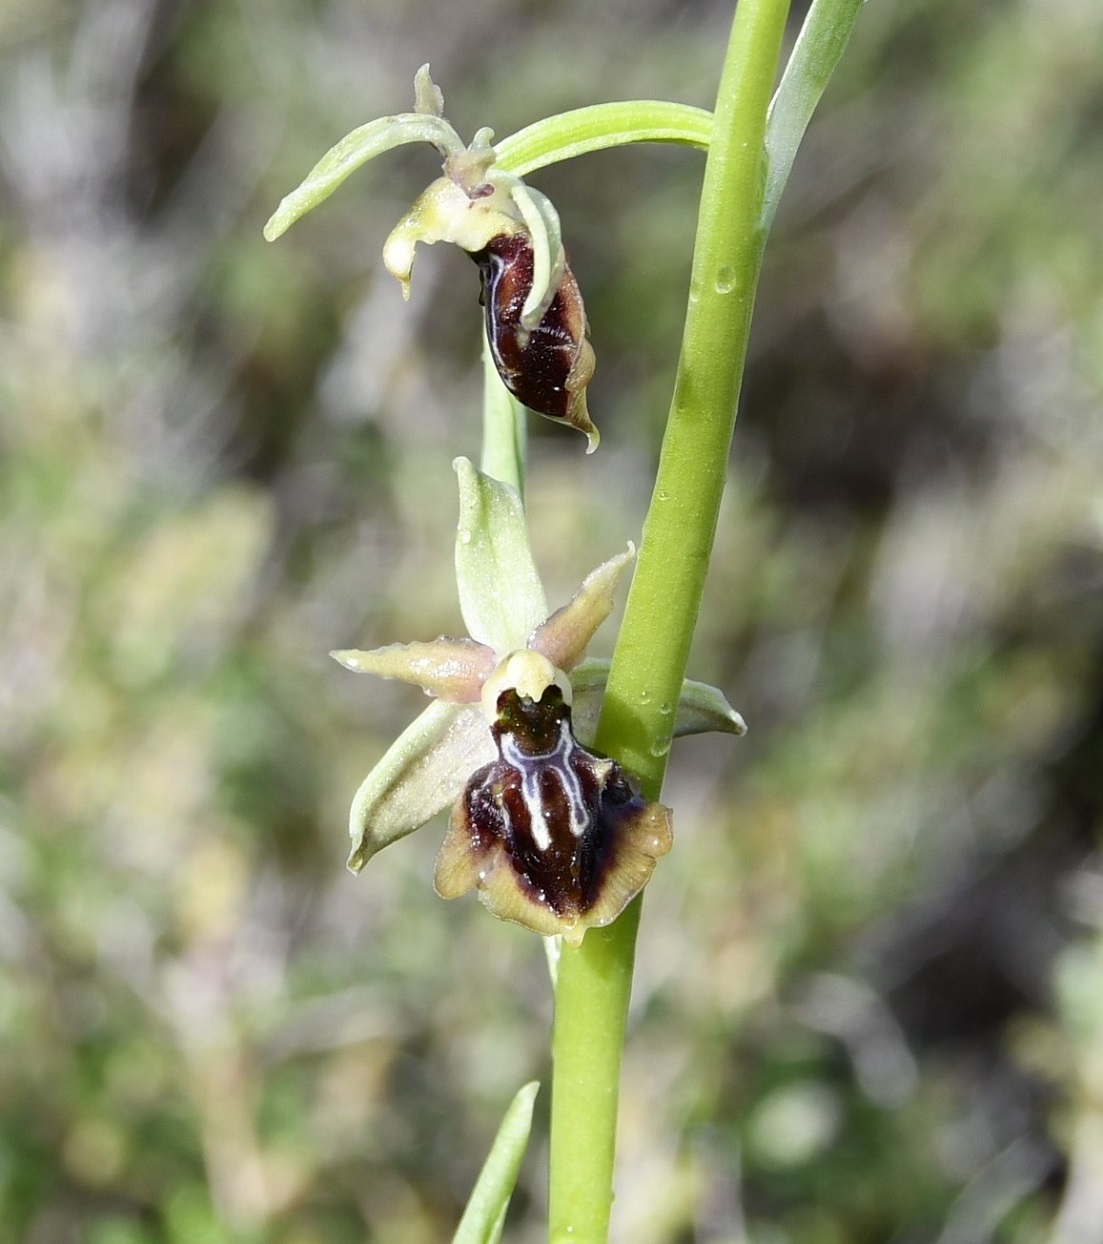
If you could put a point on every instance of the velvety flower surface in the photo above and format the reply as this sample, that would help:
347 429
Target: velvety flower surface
553 836
547 366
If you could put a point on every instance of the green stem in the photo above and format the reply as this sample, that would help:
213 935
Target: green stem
594 981
505 433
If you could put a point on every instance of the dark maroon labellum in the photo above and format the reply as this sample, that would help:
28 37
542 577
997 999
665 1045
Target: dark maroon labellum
547 368
554 834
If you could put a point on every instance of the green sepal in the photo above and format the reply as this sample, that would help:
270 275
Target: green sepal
596 127
501 597
425 124
345 157
485 1215
702 709
421 773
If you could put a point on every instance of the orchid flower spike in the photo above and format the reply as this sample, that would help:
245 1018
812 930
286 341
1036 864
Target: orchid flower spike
535 320
553 835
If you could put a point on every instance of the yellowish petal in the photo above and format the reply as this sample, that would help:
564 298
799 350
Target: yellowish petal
564 636
450 669
444 213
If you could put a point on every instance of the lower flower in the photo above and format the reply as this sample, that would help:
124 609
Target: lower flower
552 835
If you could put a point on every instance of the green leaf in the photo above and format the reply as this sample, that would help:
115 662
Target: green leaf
816 54
485 1214
501 596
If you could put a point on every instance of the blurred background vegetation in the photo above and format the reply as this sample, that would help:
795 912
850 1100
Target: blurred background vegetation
870 994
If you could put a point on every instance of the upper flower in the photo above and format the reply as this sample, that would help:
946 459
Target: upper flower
553 835
535 320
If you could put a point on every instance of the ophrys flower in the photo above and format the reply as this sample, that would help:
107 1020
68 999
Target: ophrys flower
553 835
535 321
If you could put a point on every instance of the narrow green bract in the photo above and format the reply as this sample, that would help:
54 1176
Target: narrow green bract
819 48
485 1215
